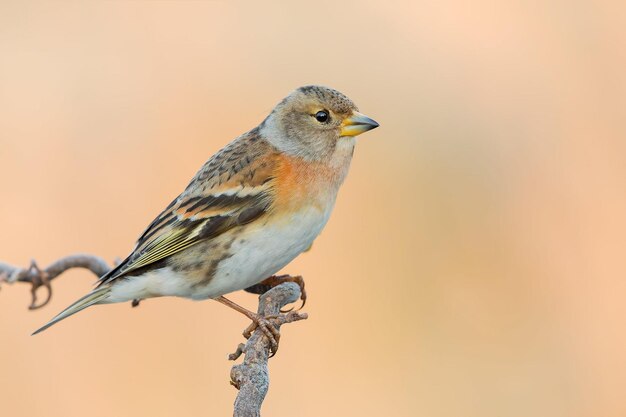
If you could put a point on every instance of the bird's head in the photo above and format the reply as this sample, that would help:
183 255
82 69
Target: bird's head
312 120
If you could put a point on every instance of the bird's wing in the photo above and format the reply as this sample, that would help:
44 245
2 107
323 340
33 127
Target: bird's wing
232 189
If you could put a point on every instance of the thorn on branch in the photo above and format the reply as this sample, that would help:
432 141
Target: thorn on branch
237 353
39 278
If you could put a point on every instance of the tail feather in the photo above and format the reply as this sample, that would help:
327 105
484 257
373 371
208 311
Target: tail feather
94 297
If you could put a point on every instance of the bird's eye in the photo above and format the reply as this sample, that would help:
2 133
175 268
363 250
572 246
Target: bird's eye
321 116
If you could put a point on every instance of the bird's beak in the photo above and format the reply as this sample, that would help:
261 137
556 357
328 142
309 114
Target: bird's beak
356 124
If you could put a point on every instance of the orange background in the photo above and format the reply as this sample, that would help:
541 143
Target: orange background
474 264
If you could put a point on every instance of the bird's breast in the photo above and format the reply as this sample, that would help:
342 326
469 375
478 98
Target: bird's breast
300 183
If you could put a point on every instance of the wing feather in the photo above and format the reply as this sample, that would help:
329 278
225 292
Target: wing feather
216 201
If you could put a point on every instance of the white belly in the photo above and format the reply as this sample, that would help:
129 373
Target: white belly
264 251
257 253
159 282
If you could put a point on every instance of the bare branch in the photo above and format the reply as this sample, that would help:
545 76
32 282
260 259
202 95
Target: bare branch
251 377
38 277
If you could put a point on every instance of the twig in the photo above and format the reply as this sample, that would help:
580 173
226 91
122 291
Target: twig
251 377
38 277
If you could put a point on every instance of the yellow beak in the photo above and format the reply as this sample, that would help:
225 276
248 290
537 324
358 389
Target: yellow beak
356 124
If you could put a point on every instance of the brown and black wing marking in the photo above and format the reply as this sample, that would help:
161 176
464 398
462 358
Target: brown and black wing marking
232 189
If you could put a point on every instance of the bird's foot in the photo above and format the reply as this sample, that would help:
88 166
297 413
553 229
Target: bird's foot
268 328
269 325
275 280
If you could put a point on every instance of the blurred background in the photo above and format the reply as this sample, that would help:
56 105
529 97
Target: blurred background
474 264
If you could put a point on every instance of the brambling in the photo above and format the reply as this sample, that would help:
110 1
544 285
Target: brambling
250 210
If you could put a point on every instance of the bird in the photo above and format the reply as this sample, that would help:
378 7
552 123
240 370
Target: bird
251 209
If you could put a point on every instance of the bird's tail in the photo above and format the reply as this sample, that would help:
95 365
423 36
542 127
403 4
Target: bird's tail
94 297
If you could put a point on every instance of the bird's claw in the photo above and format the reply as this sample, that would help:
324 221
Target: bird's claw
300 282
274 281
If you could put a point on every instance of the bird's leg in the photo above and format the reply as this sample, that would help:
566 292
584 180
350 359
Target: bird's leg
264 323
271 282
